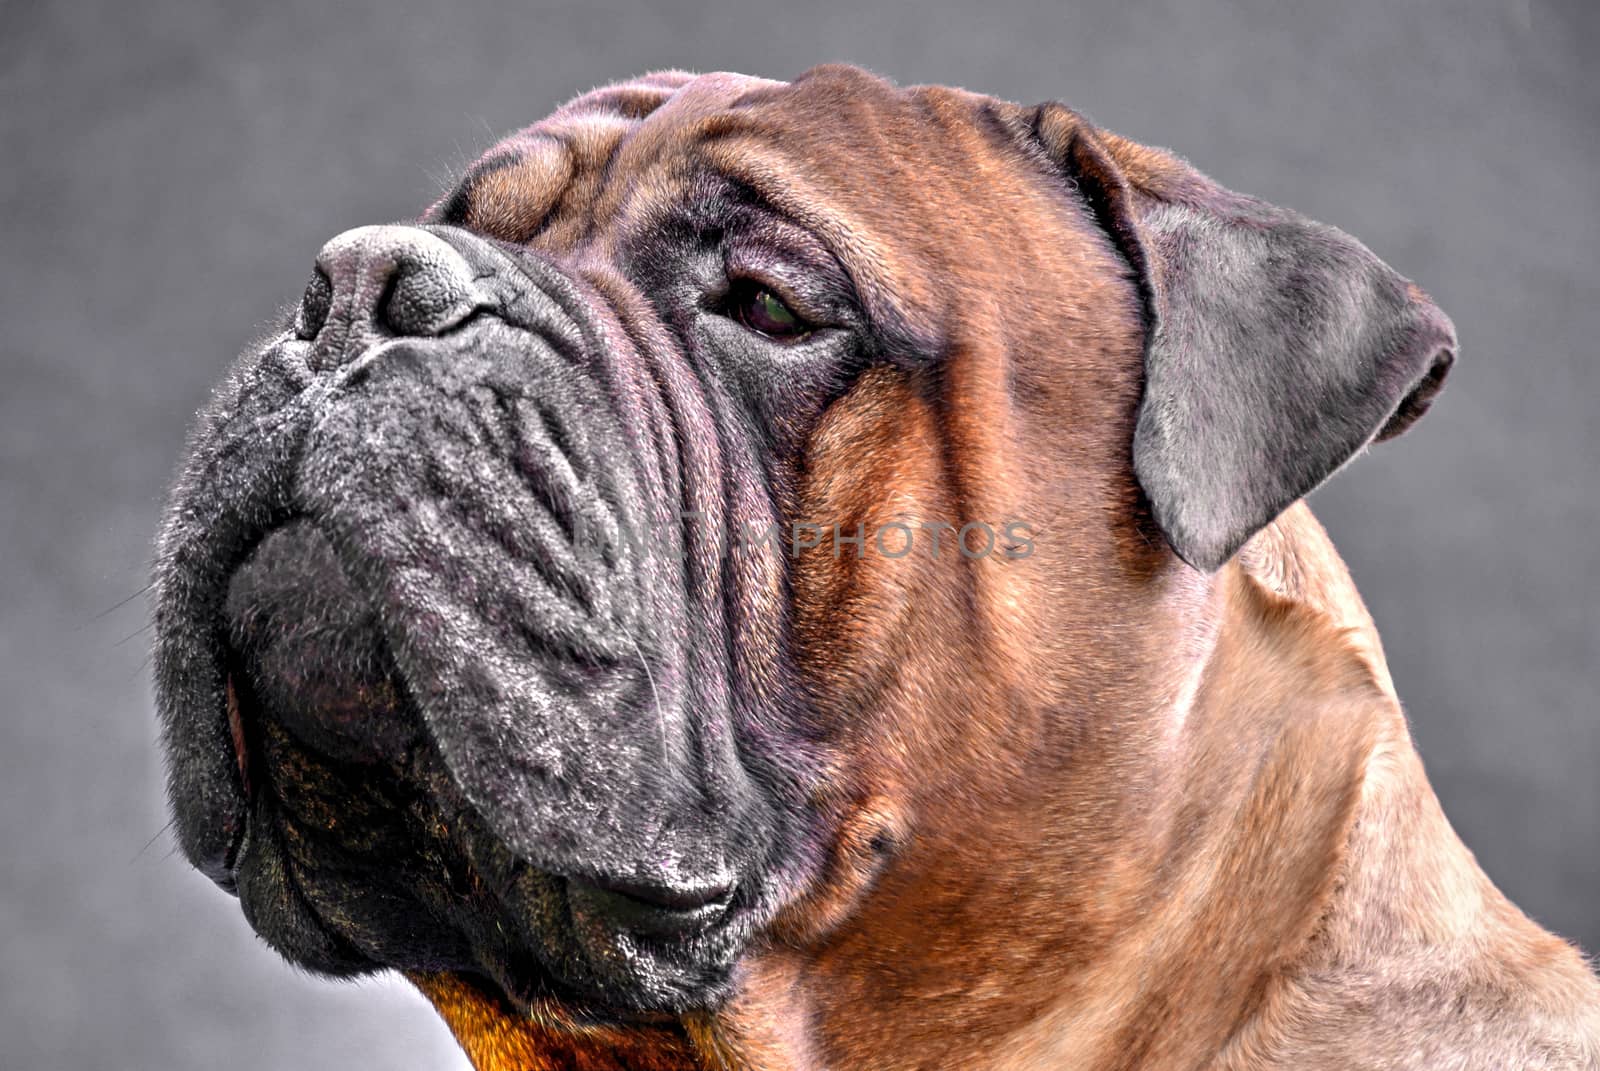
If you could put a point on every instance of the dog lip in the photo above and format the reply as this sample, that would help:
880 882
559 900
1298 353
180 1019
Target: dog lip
222 867
224 872
667 898
543 998
241 753
652 910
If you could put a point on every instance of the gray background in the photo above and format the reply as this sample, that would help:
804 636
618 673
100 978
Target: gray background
167 172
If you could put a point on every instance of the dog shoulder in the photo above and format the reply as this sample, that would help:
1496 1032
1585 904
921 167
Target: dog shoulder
1515 997
1419 961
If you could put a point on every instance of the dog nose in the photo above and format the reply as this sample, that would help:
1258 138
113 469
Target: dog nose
307 653
373 283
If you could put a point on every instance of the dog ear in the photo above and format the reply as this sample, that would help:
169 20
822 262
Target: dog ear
1276 347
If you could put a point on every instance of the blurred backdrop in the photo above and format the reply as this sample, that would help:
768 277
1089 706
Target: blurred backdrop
168 170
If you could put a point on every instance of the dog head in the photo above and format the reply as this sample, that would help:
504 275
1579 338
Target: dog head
736 510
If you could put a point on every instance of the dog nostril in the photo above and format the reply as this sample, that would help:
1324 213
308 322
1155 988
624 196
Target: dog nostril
374 283
314 306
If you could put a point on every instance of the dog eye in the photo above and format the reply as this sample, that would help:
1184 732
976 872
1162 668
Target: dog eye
759 309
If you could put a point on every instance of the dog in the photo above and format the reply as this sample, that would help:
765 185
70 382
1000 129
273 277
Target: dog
812 575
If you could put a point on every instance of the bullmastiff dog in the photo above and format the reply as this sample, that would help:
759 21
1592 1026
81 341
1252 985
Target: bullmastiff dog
812 575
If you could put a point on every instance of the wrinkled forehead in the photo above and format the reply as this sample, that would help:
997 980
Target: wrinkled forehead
522 186
822 151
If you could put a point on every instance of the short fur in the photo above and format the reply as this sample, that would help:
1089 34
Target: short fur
1142 798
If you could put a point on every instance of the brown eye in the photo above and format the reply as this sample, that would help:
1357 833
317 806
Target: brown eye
761 310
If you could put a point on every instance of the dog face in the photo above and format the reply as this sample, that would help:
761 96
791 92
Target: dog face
738 515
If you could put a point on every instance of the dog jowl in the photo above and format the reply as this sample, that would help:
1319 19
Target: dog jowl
702 800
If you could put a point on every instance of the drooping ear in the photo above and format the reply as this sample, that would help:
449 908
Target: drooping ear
1276 347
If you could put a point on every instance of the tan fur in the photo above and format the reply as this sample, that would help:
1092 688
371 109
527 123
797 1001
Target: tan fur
495 1041
1144 818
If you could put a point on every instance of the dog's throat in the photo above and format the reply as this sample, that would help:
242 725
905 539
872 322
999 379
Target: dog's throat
496 1038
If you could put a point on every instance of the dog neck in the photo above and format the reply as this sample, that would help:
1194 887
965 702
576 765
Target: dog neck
1277 823
1137 915
1271 763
